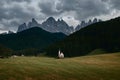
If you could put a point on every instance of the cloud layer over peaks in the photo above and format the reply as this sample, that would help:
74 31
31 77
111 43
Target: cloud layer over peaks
15 12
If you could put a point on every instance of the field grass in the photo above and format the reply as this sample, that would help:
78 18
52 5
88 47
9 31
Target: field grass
97 67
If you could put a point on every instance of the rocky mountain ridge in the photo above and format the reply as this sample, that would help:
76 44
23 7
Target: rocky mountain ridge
52 25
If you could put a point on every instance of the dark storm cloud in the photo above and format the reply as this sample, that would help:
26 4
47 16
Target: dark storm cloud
2 29
115 4
49 8
10 1
12 13
84 8
15 12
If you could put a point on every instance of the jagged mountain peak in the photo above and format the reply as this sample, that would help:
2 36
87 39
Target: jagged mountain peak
58 20
51 19
34 21
24 24
95 20
61 20
22 27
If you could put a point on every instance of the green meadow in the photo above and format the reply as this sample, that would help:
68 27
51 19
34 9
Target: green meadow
92 67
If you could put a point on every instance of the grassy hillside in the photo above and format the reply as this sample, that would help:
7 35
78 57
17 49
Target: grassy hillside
97 67
102 35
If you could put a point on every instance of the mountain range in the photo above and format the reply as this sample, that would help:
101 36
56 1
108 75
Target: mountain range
51 25
84 24
99 36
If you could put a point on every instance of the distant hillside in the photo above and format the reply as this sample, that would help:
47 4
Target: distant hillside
31 38
102 35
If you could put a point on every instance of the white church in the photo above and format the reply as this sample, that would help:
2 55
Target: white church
60 54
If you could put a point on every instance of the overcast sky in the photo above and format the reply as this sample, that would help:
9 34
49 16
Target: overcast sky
16 12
